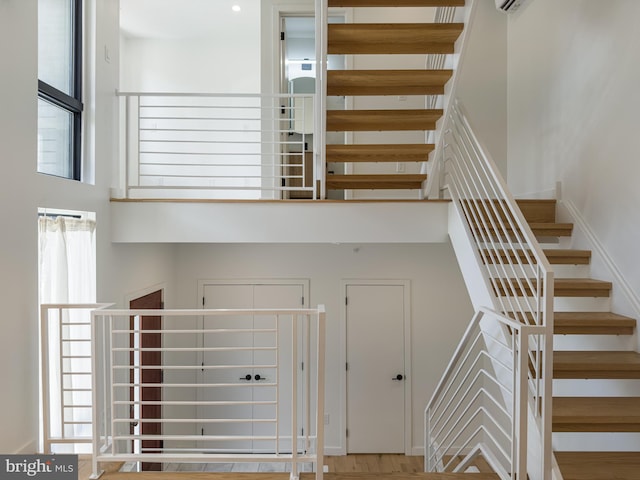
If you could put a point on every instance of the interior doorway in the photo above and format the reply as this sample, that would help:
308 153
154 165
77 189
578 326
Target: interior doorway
378 365
144 358
298 75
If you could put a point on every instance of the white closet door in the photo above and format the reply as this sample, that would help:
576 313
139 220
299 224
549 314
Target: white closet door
215 418
376 370
256 383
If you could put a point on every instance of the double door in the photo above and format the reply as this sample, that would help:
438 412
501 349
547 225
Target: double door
248 358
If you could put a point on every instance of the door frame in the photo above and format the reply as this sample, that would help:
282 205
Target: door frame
148 466
408 417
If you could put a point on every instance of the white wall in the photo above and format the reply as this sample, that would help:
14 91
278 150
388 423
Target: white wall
440 307
22 191
222 62
482 86
573 115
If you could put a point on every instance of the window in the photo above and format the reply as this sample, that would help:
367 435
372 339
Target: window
60 87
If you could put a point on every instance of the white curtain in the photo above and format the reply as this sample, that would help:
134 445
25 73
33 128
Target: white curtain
67 271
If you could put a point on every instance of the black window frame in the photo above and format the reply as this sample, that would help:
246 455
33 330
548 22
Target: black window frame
71 103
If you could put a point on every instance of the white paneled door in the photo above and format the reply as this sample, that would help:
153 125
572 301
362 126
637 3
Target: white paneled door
250 364
376 376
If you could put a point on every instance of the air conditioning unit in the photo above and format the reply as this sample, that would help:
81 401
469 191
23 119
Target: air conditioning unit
509 6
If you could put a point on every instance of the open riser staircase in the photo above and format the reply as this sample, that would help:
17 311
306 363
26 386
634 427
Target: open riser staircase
386 147
576 295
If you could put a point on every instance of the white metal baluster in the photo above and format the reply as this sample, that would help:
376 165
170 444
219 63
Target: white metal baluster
294 399
320 376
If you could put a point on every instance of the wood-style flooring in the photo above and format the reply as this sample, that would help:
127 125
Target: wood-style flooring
350 467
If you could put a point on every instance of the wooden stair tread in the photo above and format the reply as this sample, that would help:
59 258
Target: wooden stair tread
581 287
596 364
392 38
563 287
382 120
387 82
396 3
554 256
538 209
367 182
568 256
596 414
592 323
599 465
379 153
540 229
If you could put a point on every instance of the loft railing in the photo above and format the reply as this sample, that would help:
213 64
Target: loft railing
217 146
65 336
506 272
209 386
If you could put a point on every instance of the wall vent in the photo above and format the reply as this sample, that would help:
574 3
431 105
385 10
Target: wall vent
510 6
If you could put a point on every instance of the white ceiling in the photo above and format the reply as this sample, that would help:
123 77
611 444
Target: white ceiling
186 18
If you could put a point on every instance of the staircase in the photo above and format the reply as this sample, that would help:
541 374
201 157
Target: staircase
388 147
582 305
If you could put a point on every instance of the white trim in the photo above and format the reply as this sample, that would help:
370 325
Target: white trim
618 278
408 417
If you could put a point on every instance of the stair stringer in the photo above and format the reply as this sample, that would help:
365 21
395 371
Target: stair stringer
481 294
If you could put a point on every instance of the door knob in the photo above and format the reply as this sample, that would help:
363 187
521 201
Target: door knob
258 377
247 377
398 377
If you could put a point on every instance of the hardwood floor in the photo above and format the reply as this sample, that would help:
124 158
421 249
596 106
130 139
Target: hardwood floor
350 467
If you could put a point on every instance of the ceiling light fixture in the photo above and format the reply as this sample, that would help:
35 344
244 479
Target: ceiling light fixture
236 8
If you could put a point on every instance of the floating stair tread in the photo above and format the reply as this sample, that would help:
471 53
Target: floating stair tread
599 465
547 229
596 414
592 323
596 364
392 38
396 3
555 257
538 209
568 256
581 287
387 82
382 120
379 153
563 287
374 182
540 229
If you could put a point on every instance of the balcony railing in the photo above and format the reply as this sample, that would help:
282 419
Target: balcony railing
218 146
209 386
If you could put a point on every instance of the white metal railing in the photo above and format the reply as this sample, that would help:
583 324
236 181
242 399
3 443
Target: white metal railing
217 146
65 336
480 406
209 386
437 61
516 274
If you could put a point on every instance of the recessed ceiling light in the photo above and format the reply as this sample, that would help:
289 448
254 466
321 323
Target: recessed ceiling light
236 8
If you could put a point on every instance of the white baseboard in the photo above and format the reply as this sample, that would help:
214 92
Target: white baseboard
417 451
28 448
334 451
